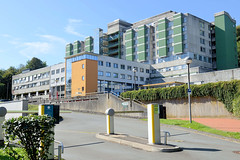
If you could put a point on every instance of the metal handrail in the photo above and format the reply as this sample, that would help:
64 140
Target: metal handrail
60 149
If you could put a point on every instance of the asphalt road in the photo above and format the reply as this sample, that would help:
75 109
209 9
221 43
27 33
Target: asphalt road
77 132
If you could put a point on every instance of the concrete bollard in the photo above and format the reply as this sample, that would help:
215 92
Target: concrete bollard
3 112
154 136
110 121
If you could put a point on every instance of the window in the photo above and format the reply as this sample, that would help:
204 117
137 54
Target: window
195 56
108 74
185 46
210 51
141 79
205 59
209 35
122 76
83 78
53 72
115 65
202 41
200 58
82 88
129 68
170 24
62 79
141 70
136 78
147 70
57 80
170 49
202 49
201 33
100 63
108 64
209 60
184 37
129 77
184 28
170 40
153 71
136 69
62 69
115 75
57 71
170 32
100 73
201 24
82 66
122 66
184 19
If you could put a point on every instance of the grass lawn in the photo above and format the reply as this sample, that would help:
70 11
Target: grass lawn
4 156
199 127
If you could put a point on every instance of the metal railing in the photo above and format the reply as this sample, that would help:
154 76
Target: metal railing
60 149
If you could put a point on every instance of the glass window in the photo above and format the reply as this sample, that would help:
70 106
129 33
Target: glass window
200 58
195 56
129 68
202 49
201 33
82 88
57 80
170 32
57 71
108 74
115 65
100 63
147 70
82 66
53 72
141 79
129 77
184 28
100 73
115 75
62 69
136 69
185 46
122 66
83 78
201 24
170 24
205 59
141 70
184 19
122 76
108 64
202 41
136 78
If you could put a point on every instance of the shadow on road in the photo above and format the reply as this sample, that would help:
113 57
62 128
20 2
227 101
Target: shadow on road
180 134
202 149
81 145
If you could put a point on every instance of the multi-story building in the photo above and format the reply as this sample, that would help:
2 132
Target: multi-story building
47 82
132 54
89 72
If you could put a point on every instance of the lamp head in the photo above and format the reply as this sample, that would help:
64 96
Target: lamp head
188 60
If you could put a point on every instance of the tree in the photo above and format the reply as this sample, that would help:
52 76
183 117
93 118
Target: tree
35 63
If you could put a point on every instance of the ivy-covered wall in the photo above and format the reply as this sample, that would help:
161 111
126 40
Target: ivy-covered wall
226 92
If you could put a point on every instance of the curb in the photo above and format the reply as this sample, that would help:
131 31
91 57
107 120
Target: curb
138 145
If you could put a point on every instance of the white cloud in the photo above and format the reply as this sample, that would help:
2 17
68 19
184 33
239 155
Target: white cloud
5 35
31 49
73 24
53 38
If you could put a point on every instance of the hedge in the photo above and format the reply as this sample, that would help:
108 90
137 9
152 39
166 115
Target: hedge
225 92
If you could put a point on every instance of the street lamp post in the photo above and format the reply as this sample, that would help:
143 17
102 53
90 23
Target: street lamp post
188 61
134 77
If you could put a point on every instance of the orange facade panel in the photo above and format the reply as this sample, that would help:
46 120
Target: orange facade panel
84 77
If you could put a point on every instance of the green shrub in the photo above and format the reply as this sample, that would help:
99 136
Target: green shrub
222 91
33 134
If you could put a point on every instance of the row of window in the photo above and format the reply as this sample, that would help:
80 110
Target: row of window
123 67
173 68
57 80
121 76
57 71
31 85
203 58
31 78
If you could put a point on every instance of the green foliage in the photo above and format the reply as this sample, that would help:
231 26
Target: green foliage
33 134
238 43
35 63
236 106
222 91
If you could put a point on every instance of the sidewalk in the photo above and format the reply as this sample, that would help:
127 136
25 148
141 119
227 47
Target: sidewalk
225 124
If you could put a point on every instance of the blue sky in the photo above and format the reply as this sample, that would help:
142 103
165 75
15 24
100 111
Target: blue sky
41 28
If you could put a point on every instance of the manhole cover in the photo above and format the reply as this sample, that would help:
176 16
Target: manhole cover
237 152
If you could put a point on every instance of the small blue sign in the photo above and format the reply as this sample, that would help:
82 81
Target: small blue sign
48 110
189 91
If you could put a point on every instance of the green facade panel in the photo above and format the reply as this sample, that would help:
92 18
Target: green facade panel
76 47
130 57
162 34
162 43
129 51
69 50
89 44
129 43
141 48
178 19
177 30
162 52
225 34
178 48
178 38
142 56
141 38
